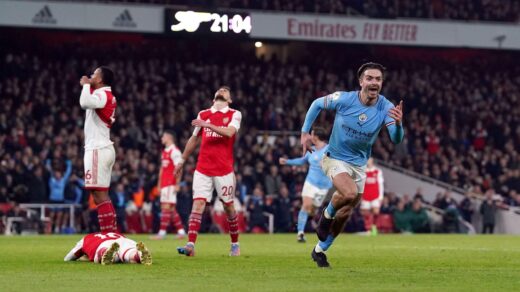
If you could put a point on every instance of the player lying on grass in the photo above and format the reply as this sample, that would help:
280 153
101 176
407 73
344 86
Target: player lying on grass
108 248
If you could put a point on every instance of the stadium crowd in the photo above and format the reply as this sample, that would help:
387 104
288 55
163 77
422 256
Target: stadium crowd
467 10
462 124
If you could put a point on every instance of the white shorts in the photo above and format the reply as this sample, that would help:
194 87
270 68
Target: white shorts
204 185
98 168
125 245
317 195
369 205
168 195
333 167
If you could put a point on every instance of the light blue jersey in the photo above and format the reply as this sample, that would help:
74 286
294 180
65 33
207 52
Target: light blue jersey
356 125
315 176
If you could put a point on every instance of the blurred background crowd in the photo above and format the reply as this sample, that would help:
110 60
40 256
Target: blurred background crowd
462 114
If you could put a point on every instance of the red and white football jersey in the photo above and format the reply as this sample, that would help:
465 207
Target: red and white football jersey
169 159
92 241
216 151
100 105
373 185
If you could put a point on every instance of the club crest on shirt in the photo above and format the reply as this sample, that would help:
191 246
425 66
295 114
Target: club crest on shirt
362 117
336 95
225 120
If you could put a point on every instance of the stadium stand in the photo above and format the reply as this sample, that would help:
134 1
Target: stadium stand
465 10
160 85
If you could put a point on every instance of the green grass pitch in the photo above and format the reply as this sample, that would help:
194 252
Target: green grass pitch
273 263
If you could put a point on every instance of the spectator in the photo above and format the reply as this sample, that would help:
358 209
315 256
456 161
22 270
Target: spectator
256 207
402 218
37 186
513 199
273 181
386 208
283 214
120 199
488 209
447 201
467 208
419 221
57 183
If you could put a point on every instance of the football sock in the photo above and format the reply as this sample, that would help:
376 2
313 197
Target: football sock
194 226
107 217
330 212
323 246
130 256
302 220
233 227
176 220
166 215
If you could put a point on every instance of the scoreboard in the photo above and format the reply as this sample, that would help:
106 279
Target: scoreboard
212 23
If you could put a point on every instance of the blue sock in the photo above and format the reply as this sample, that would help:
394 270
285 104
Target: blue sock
327 243
302 220
330 210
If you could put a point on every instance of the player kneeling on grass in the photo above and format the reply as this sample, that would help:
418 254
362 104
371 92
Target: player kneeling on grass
108 248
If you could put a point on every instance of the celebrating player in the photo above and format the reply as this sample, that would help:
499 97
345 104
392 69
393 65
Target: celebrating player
99 102
168 185
108 248
373 194
317 184
217 128
359 117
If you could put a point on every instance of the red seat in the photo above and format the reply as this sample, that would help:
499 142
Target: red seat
368 219
385 223
5 207
133 222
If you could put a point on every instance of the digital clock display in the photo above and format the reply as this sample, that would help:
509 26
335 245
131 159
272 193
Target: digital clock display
207 22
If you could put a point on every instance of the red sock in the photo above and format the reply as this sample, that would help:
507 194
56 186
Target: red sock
233 228
107 217
176 220
166 216
194 226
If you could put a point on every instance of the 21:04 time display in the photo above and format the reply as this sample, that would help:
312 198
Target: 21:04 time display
191 21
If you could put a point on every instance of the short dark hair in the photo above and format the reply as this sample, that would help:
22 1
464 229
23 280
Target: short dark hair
107 75
371 65
169 132
225 87
321 133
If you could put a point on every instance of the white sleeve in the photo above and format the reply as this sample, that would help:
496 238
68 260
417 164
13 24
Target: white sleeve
196 131
176 156
380 181
92 101
235 121
71 256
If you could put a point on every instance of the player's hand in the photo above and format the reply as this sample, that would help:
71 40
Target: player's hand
84 80
396 113
200 123
306 142
177 188
178 169
282 161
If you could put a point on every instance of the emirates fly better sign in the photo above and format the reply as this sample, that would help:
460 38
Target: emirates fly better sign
388 32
